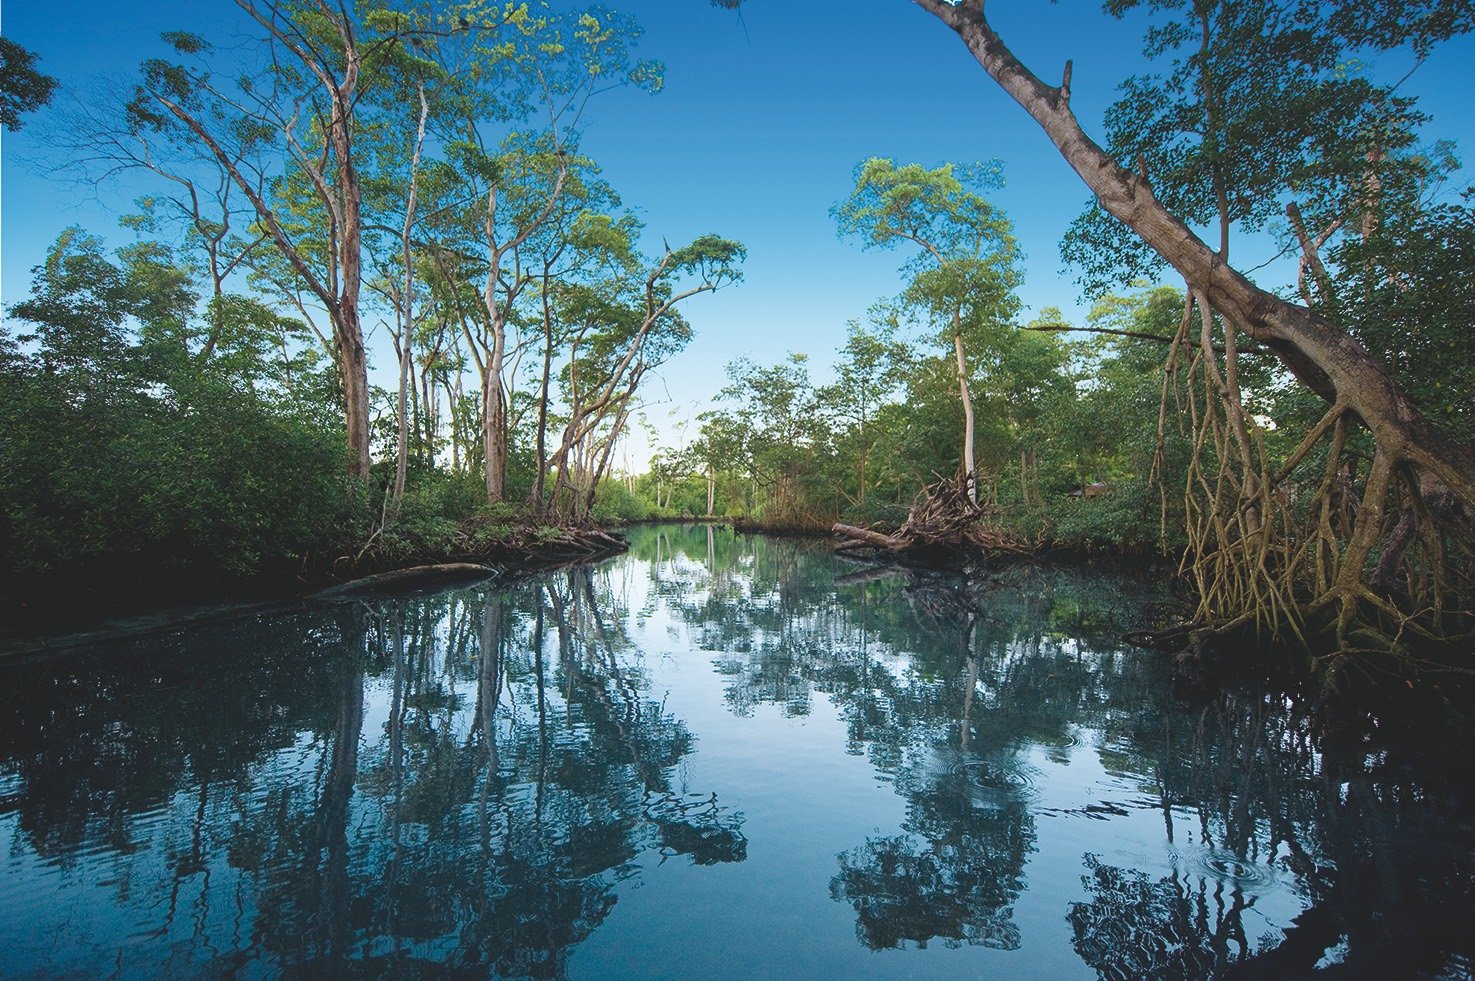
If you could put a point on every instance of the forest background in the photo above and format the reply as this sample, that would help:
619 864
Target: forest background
204 414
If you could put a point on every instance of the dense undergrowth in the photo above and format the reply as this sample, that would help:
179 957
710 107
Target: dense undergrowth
158 450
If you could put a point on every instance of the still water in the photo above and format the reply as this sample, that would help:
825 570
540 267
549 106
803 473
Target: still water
716 756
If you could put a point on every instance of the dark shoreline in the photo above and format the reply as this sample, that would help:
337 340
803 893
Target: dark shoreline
1368 702
126 605
40 627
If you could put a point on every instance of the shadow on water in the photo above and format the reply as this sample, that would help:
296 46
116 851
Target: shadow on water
470 782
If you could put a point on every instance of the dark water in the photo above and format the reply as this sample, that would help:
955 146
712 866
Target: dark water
709 758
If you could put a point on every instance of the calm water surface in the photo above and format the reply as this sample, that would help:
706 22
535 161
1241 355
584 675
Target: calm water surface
716 756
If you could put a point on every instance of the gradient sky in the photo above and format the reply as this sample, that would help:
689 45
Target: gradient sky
763 118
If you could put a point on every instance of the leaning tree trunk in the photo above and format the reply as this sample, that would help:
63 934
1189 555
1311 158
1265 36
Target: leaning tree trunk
1417 470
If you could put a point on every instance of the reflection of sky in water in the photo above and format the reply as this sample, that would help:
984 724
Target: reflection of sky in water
707 759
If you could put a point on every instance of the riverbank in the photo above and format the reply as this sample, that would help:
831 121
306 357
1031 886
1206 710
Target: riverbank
56 613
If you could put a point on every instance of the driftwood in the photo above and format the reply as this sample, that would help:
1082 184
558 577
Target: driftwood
416 577
859 537
942 521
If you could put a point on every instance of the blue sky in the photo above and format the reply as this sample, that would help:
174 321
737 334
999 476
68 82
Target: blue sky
762 120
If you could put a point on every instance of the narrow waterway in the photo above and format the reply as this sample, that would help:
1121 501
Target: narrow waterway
715 756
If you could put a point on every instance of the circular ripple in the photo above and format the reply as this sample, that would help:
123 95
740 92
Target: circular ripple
1232 868
994 777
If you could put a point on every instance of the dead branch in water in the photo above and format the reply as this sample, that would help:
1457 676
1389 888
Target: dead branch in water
943 519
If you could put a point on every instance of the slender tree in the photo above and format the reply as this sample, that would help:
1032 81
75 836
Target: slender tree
965 272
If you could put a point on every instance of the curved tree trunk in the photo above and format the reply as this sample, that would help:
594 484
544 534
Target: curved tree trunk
1322 356
1412 455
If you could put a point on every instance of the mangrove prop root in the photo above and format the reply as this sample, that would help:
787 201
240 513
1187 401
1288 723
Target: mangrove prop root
1329 541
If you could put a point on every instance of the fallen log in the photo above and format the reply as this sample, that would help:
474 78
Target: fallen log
857 537
417 577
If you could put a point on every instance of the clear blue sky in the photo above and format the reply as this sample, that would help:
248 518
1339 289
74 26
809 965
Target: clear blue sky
755 136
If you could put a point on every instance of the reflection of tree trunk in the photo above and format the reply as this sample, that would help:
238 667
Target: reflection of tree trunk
397 708
542 716
493 641
626 717
972 657
334 931
566 657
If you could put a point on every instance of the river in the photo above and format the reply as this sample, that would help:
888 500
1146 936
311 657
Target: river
715 756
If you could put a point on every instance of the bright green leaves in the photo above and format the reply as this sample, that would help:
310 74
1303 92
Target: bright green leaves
964 264
712 259
472 160
942 209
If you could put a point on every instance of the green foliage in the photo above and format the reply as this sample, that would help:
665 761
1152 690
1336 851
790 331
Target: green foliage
1257 106
1054 416
1405 292
127 447
23 89
616 504
965 273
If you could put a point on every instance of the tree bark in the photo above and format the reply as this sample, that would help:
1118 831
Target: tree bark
404 344
970 469
864 536
541 477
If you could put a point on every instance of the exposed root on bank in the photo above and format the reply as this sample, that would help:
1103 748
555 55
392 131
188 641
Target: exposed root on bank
1353 544
944 523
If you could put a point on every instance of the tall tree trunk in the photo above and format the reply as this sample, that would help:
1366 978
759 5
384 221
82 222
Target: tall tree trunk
353 372
430 406
402 417
405 343
540 480
493 425
605 455
350 340
970 469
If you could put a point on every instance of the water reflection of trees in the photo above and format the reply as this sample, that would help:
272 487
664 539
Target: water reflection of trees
452 783
1380 850
462 782
948 683
944 683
